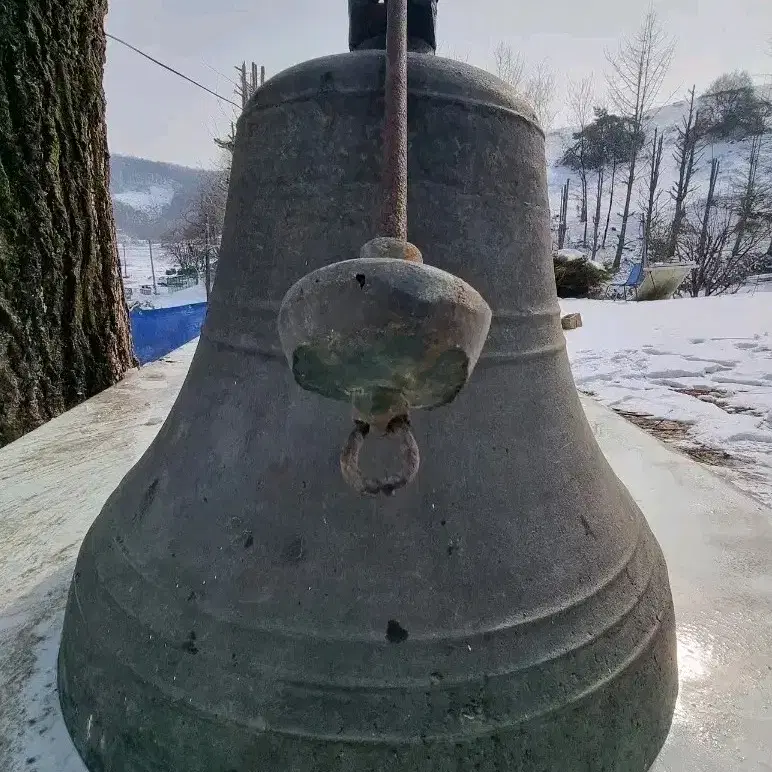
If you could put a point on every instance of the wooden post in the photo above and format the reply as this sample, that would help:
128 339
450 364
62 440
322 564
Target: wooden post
244 86
207 264
598 204
152 267
563 226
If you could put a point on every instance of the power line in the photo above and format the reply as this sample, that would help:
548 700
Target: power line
170 69
221 74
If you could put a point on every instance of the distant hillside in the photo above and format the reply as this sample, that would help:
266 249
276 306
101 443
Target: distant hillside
733 157
149 196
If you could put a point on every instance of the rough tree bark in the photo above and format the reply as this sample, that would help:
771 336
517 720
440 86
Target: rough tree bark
64 329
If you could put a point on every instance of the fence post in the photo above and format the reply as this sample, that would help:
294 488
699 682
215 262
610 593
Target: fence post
152 266
207 263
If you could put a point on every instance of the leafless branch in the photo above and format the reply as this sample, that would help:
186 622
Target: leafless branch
639 68
536 84
638 71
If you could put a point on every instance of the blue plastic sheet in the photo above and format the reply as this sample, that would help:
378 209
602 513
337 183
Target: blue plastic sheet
158 331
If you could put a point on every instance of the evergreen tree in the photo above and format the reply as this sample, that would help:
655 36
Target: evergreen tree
731 108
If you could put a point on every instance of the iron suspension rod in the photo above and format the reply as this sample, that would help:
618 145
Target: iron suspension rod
394 214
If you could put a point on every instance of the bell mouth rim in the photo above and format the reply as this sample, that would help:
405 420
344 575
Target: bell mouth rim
647 641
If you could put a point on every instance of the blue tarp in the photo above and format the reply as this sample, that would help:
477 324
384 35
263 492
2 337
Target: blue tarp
158 331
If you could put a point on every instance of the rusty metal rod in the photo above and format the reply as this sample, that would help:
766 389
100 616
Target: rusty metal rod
394 214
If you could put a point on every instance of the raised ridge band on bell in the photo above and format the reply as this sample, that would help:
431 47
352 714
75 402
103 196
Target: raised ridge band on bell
510 683
536 334
627 617
593 595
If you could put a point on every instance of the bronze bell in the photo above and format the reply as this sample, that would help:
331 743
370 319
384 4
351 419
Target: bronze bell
238 607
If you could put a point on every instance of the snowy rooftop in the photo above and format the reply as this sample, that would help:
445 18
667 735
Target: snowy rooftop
716 538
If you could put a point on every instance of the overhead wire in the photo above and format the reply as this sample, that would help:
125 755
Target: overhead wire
171 69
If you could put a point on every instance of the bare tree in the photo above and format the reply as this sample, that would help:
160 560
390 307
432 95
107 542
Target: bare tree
753 208
651 205
454 53
726 239
535 84
712 275
563 226
715 166
686 155
612 189
720 270
509 66
540 92
249 82
638 70
580 100
197 234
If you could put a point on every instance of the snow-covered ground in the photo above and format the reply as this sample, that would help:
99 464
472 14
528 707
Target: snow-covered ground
706 362
138 272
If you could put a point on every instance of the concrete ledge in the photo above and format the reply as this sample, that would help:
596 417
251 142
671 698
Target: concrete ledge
717 542
53 483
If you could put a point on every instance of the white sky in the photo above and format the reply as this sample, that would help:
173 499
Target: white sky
154 114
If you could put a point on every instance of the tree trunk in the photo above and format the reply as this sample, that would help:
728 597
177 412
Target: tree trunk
698 274
610 201
64 328
563 227
656 164
598 206
685 155
745 208
626 211
583 217
679 215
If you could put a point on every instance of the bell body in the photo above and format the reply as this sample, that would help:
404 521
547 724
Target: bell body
237 608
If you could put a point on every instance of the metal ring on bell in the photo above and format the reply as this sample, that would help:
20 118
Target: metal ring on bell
410 455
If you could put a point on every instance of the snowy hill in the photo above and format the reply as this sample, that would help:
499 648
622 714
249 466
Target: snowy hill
733 157
149 196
